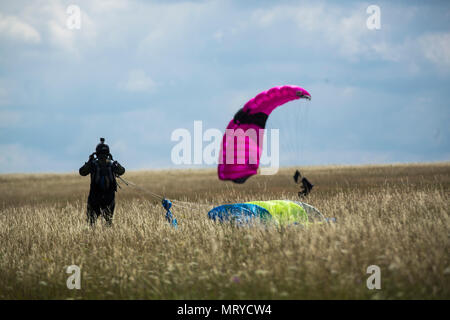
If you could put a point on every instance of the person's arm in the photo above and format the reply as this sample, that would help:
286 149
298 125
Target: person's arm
86 168
118 169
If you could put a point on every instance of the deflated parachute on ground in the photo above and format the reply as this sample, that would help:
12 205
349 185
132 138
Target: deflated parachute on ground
240 165
282 212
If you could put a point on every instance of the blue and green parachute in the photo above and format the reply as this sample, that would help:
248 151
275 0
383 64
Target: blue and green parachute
281 212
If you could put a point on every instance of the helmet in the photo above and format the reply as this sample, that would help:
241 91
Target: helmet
102 148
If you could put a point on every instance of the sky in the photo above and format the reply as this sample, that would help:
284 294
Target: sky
135 71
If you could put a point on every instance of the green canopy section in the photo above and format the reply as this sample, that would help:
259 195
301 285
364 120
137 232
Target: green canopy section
284 211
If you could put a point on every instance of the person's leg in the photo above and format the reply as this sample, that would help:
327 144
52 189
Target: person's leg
92 214
93 210
108 209
109 212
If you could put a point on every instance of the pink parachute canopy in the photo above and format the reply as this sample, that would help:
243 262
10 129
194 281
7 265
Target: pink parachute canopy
242 149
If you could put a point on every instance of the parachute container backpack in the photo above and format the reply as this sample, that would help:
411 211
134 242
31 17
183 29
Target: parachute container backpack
242 143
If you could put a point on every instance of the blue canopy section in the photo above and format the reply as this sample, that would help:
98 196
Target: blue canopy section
240 213
280 212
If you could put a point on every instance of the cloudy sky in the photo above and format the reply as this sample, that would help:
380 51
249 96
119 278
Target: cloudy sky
137 70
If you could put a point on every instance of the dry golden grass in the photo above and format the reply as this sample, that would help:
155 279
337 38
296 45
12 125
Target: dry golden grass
393 216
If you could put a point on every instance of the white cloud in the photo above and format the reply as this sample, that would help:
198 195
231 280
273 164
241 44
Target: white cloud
172 28
16 29
415 51
340 30
60 36
436 48
388 51
49 26
108 5
138 81
17 158
265 18
321 25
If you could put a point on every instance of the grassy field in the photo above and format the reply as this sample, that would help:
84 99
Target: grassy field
392 216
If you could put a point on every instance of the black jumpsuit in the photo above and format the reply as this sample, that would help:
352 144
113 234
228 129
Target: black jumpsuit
103 187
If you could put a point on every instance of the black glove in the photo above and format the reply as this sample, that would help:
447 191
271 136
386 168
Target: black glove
91 157
118 169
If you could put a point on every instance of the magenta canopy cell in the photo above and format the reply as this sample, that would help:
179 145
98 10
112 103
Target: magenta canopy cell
242 142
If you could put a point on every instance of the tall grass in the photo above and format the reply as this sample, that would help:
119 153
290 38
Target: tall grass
396 217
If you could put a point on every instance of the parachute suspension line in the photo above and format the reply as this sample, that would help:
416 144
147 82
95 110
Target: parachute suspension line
300 131
291 134
165 203
290 120
157 196
293 120
306 130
